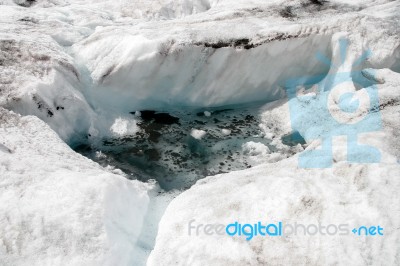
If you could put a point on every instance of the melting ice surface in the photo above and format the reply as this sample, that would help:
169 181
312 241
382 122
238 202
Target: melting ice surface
178 147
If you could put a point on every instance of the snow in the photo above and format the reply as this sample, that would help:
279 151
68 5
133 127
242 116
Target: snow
159 200
198 133
58 207
125 126
75 70
358 194
281 192
109 58
253 148
138 66
207 76
226 132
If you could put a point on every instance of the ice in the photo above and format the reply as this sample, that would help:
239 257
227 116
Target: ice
203 71
159 201
167 148
124 126
281 192
108 63
58 207
207 113
256 150
198 133
357 194
226 131
86 72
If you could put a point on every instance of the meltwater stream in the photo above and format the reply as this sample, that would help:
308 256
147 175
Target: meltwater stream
178 147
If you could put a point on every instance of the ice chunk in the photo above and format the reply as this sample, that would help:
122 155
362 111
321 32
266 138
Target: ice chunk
255 148
226 132
123 126
198 133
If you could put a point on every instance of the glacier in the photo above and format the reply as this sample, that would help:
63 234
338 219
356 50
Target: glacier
76 73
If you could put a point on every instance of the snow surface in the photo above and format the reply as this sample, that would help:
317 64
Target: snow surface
355 194
82 66
60 208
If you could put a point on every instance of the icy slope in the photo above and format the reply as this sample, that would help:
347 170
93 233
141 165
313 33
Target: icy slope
58 207
38 77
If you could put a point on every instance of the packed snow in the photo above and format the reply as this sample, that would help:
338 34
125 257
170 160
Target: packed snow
83 74
60 208
207 113
226 131
198 133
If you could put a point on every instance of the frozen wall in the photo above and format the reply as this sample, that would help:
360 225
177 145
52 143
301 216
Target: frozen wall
132 72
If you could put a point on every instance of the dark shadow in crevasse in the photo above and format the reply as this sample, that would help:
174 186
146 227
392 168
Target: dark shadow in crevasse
165 150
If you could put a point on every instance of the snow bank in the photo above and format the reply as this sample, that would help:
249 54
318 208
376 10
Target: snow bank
281 192
58 207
